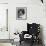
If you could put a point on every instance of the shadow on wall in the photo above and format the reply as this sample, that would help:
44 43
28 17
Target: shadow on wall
41 34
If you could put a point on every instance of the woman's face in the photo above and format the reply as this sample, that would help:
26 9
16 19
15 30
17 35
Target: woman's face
20 13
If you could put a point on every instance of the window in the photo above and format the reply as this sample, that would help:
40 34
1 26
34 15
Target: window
3 17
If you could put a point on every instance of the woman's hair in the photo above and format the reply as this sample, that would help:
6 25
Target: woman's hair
22 10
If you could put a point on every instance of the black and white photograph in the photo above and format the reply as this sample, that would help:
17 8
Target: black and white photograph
21 13
22 22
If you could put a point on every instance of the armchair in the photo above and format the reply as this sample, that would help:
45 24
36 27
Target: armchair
33 30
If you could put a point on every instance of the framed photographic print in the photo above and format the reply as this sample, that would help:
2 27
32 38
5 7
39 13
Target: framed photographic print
21 13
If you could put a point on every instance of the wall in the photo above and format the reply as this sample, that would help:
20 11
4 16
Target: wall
3 21
4 34
3 1
35 13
